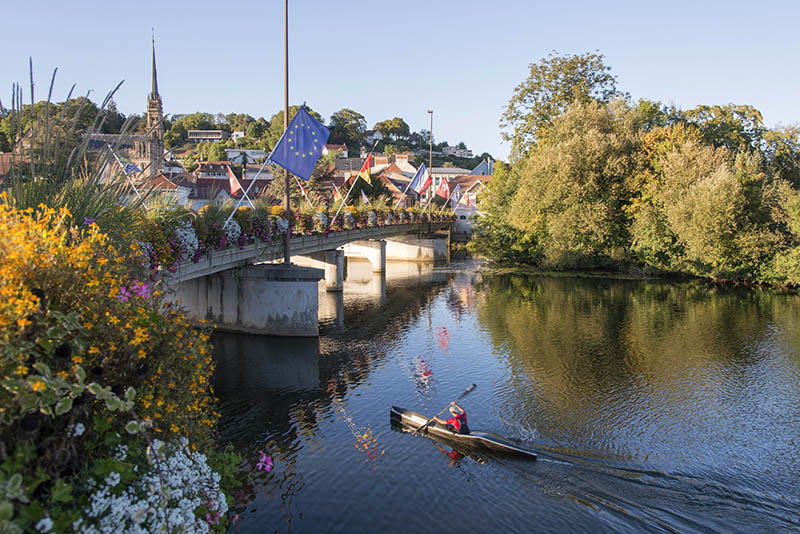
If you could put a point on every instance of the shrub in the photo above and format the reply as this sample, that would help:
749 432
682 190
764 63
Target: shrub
84 334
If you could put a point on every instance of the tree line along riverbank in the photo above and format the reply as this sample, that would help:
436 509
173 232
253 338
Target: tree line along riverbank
599 180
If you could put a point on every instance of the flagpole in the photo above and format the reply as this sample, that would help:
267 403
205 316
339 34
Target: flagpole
344 201
287 256
244 170
239 202
404 194
133 185
303 191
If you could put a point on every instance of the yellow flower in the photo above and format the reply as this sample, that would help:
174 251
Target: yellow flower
21 370
37 385
94 350
77 359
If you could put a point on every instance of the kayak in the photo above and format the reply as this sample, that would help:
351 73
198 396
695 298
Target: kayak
477 440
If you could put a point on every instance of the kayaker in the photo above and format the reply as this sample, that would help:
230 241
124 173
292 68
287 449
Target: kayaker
457 423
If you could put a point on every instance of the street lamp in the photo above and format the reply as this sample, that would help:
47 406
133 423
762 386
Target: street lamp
430 146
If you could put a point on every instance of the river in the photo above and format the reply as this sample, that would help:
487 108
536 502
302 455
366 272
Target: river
654 406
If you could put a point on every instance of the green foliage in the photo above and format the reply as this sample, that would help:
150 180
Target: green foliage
212 151
348 127
55 151
395 128
494 236
573 185
552 85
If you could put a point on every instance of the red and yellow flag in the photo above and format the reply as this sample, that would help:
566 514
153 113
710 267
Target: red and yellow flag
365 170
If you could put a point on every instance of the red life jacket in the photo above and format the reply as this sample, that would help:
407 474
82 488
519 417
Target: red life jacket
458 422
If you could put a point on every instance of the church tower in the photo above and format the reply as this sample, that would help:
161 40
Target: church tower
155 122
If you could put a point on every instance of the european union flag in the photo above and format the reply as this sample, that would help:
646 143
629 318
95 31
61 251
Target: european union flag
300 145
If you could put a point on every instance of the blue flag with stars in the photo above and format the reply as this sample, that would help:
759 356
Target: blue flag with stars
300 145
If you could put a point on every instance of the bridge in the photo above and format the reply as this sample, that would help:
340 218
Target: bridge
246 289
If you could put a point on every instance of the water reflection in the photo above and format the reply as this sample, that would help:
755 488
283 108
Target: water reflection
653 406
672 374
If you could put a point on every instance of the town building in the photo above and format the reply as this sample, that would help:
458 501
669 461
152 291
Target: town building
207 136
238 155
339 151
457 152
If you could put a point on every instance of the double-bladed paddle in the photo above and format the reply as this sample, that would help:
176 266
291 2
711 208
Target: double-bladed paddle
466 392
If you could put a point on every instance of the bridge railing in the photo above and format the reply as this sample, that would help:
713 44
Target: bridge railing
214 261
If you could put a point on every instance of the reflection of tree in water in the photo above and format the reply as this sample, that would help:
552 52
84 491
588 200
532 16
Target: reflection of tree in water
574 345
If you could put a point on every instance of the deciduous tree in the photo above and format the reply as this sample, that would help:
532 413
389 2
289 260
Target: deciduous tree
553 84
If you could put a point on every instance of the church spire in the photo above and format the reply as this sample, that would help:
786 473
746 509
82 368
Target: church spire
154 83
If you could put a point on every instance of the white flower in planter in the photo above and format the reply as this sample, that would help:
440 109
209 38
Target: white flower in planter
232 231
187 240
282 225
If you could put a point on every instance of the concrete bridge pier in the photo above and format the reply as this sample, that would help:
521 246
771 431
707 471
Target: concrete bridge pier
373 250
266 299
431 247
331 308
331 262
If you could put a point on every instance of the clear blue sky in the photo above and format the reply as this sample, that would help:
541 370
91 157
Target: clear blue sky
461 58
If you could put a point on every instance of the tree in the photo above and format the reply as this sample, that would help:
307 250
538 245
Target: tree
730 126
395 128
176 135
553 84
493 235
113 120
574 185
348 127
211 151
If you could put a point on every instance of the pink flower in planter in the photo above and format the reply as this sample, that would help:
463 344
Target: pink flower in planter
264 462
141 289
213 519
124 294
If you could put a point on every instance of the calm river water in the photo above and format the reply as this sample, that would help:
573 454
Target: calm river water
654 406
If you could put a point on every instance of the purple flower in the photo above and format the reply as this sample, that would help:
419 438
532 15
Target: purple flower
264 462
141 289
213 519
87 221
124 294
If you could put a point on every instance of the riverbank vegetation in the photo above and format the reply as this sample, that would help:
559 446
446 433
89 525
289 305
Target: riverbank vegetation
597 180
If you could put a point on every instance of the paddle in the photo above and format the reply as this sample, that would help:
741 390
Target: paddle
466 392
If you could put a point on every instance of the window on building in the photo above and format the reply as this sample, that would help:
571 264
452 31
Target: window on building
463 217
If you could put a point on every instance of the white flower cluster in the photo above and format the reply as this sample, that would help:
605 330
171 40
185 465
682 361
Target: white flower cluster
322 218
187 238
163 499
282 225
44 525
349 220
232 231
372 218
389 218
121 453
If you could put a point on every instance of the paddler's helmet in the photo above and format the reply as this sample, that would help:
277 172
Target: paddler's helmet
454 410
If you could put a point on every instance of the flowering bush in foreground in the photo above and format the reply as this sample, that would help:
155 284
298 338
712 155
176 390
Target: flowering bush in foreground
92 363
